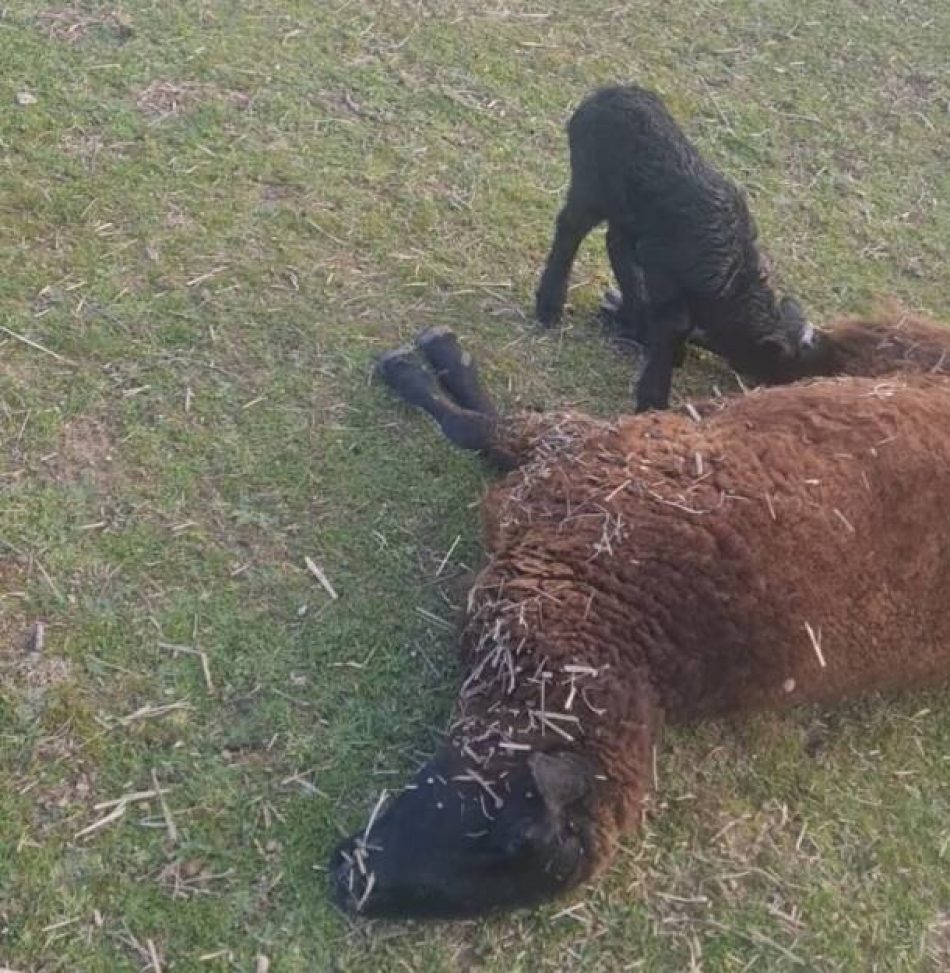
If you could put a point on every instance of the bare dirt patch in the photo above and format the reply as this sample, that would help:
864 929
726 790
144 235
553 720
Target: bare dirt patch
41 672
275 195
60 783
91 149
25 667
14 629
85 455
54 772
165 99
71 24
23 661
177 219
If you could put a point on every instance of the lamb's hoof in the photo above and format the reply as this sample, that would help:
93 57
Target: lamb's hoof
547 312
454 369
612 316
650 399
440 347
609 311
400 370
612 301
391 363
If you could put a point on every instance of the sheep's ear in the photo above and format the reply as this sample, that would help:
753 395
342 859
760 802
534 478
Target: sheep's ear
792 311
562 778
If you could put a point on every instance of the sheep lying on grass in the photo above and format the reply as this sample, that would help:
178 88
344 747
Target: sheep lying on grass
681 241
890 340
790 547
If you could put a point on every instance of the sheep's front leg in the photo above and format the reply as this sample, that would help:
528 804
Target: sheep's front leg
669 326
574 222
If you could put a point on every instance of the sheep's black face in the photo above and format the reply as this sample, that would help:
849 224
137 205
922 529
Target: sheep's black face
800 335
787 350
453 847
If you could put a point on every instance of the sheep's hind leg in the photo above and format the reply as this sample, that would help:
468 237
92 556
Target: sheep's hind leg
455 370
631 311
414 385
574 222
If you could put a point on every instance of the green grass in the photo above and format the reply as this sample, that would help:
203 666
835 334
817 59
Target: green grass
217 222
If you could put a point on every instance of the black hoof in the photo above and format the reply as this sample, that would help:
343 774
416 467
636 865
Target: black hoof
400 370
454 369
440 347
391 364
612 314
612 301
547 312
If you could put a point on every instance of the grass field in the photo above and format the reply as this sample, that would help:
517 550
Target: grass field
212 215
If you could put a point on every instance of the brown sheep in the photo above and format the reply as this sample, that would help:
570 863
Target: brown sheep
788 548
891 339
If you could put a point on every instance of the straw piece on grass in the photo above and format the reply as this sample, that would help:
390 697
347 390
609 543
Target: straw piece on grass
112 816
170 827
36 345
317 572
815 638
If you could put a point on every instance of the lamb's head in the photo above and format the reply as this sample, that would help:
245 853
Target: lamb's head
792 339
456 844
779 344
803 350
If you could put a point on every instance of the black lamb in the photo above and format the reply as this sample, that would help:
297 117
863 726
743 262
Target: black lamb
682 245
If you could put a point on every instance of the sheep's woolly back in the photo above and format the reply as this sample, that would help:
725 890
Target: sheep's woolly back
791 546
890 340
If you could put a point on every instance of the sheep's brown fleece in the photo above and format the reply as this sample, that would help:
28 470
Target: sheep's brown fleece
893 339
793 546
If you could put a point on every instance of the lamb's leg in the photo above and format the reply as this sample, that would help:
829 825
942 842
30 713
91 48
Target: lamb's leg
668 329
574 222
499 442
631 314
463 427
455 370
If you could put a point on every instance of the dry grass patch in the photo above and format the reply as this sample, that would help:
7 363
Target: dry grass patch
71 24
14 628
165 99
60 783
25 667
85 455
937 944
92 148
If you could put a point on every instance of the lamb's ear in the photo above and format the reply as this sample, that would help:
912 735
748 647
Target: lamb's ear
792 311
562 778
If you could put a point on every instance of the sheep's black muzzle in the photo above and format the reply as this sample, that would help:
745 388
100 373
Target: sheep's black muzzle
454 846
